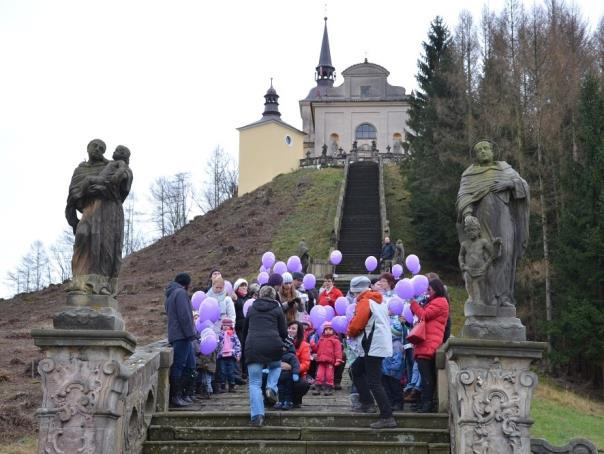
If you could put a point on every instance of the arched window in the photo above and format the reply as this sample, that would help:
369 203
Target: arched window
366 131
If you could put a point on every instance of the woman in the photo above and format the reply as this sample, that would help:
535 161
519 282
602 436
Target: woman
264 331
290 299
435 314
296 330
240 293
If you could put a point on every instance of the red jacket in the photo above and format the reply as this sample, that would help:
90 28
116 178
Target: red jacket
303 354
329 350
333 295
435 314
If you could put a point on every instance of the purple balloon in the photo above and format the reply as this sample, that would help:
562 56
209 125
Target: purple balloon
203 325
209 310
371 263
395 305
297 267
350 311
318 315
247 305
262 269
330 313
292 263
309 281
339 324
341 305
262 278
397 270
268 258
197 298
407 313
420 284
280 268
228 287
404 289
412 262
208 345
335 257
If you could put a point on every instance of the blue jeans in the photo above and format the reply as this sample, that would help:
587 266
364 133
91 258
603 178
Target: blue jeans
205 379
227 367
254 375
416 379
184 358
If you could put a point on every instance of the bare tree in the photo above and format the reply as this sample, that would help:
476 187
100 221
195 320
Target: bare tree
222 176
133 237
61 252
171 198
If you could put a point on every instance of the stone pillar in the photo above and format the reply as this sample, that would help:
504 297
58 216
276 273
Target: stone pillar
490 390
83 378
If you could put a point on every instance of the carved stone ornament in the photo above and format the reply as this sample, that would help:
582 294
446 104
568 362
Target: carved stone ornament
81 401
493 407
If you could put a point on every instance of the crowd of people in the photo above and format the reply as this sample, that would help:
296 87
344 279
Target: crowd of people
273 345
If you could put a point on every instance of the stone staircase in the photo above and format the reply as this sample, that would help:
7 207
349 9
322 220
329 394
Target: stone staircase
295 432
360 232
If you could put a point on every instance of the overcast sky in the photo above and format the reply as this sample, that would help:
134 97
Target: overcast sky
171 80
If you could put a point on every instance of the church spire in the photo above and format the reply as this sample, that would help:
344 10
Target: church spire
325 72
271 104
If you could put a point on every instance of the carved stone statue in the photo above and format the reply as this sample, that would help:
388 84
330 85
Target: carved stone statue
475 257
97 190
304 255
399 253
494 193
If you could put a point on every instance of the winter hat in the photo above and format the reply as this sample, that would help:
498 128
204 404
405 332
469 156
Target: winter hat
238 283
298 276
327 325
183 279
306 320
253 288
287 278
226 322
275 279
359 284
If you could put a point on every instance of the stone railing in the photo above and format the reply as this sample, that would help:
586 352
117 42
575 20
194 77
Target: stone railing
383 211
353 156
575 446
337 223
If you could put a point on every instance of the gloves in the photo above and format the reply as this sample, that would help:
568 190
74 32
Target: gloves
296 377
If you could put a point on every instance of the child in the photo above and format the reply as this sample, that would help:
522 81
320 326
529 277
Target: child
229 353
288 377
329 356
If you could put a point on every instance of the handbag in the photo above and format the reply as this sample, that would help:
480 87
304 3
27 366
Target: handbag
417 335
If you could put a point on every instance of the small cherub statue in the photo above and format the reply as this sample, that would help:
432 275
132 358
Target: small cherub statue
475 257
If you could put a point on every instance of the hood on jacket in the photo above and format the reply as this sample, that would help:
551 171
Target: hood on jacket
172 287
264 305
375 296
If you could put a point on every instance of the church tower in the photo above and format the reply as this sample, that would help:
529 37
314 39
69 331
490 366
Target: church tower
267 147
325 74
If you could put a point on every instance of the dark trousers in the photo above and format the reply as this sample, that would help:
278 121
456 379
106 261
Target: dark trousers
301 387
286 386
393 389
366 376
337 374
427 370
184 358
227 367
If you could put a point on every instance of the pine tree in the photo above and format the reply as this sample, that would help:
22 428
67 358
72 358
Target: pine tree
578 327
438 145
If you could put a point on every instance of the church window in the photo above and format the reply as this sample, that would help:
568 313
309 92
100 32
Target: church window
289 141
364 91
366 131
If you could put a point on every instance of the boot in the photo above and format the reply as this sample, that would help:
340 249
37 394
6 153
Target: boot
220 388
232 388
176 400
412 396
317 391
383 423
425 407
188 386
328 391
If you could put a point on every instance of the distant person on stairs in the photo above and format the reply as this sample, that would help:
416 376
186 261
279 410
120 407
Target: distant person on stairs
370 326
387 255
328 294
181 334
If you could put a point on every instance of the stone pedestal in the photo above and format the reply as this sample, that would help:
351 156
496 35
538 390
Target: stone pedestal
91 312
84 384
492 322
490 390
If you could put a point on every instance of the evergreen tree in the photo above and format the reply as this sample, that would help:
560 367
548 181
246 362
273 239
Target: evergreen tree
438 145
579 260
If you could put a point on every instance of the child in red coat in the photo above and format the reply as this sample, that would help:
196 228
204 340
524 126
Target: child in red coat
329 356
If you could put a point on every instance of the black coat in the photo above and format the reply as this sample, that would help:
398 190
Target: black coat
180 313
239 317
264 331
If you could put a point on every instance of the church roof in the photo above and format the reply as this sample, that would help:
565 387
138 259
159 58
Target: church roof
366 69
263 121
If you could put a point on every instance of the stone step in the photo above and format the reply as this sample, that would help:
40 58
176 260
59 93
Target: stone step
297 419
292 447
168 433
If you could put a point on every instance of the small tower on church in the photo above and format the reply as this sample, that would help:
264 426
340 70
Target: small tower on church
267 147
325 74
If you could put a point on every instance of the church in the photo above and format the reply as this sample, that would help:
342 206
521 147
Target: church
364 113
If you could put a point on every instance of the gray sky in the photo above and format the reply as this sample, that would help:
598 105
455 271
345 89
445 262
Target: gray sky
171 80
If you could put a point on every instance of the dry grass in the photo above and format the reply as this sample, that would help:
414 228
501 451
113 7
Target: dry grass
26 445
548 390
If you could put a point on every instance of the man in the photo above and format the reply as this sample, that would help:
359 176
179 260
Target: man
181 333
308 295
387 255
329 293
371 328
